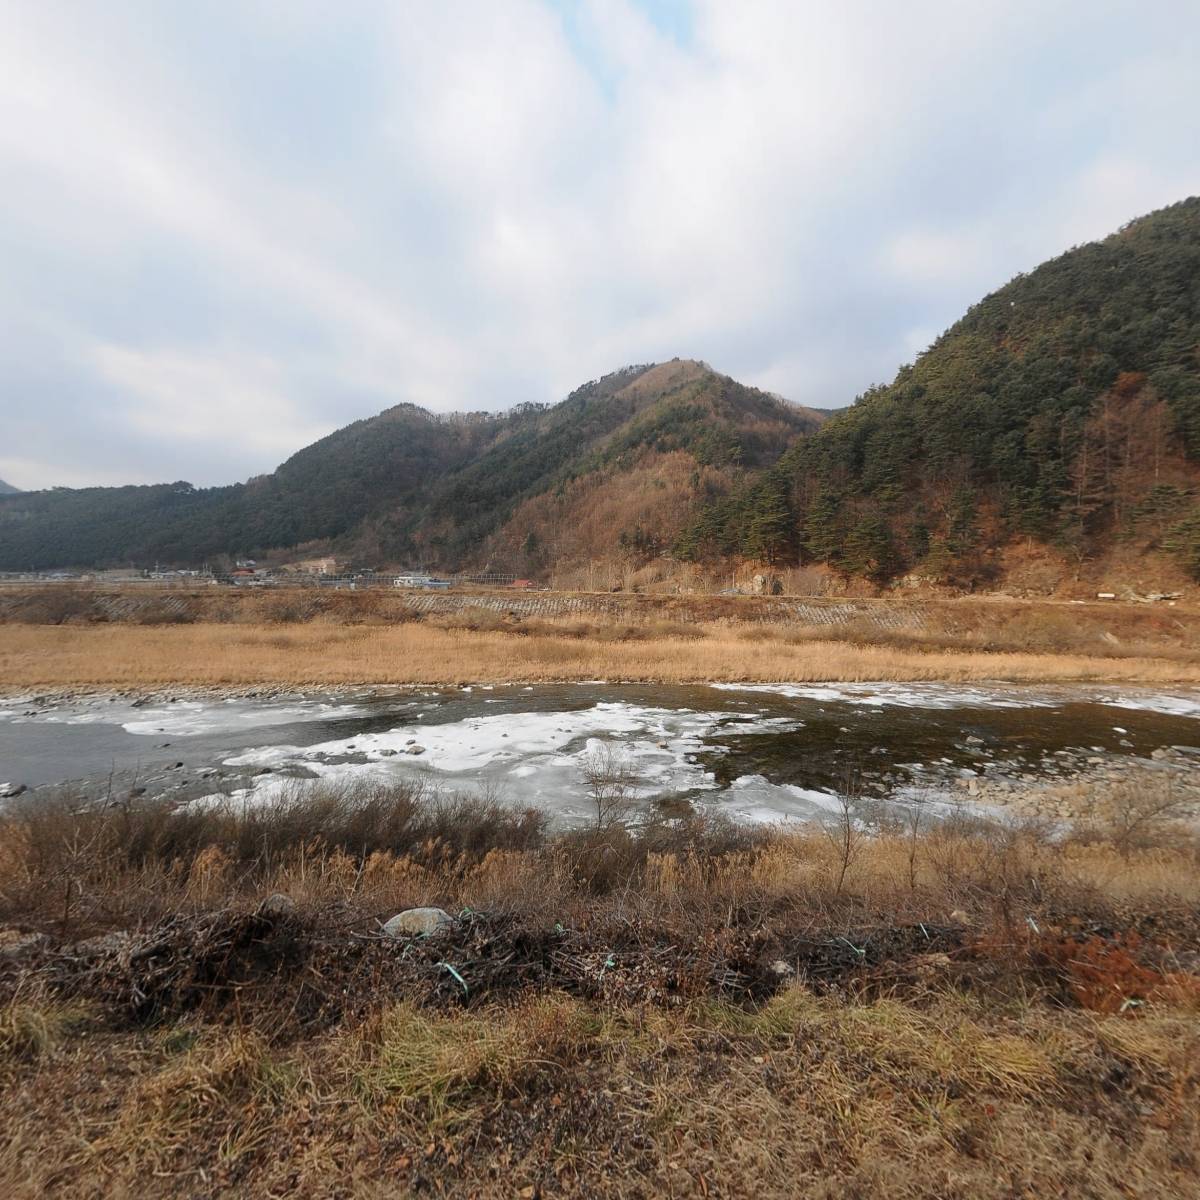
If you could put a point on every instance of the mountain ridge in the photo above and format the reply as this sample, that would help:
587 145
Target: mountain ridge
1062 409
1058 419
410 485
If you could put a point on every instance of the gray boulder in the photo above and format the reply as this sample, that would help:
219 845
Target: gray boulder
418 921
277 905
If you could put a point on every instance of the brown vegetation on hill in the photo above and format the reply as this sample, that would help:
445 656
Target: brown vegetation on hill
580 527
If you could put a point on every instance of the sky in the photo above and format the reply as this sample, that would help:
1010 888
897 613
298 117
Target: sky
230 227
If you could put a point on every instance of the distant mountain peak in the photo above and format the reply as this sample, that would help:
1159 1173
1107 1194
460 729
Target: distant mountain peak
7 489
639 446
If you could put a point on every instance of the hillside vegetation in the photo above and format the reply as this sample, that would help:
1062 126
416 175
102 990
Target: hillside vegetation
409 485
1060 416
1062 409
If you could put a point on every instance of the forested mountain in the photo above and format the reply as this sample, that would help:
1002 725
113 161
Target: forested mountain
1062 412
7 489
446 491
1063 409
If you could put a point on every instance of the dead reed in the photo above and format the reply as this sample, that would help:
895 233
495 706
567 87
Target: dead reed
420 653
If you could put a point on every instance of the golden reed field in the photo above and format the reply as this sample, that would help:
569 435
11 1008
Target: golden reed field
125 656
77 636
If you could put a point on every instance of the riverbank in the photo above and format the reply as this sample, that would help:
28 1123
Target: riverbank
123 656
194 1003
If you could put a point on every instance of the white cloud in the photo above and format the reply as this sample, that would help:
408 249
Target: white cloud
277 217
212 400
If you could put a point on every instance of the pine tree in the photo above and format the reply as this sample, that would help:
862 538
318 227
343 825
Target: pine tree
963 532
869 550
770 530
1183 540
823 527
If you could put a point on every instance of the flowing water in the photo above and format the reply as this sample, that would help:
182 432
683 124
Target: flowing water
758 753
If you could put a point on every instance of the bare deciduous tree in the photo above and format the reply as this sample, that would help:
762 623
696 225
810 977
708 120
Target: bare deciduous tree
612 786
845 831
1134 814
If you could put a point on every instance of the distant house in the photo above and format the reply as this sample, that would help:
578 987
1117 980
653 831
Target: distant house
524 585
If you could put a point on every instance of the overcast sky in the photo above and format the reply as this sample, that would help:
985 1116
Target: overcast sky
227 228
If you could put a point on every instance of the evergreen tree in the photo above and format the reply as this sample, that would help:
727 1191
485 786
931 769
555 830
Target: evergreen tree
823 530
869 550
770 531
962 529
1183 541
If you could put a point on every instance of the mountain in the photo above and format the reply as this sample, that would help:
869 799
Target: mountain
1062 412
618 466
7 489
1057 424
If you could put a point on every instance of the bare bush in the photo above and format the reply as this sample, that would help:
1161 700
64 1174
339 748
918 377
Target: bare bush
1138 815
612 786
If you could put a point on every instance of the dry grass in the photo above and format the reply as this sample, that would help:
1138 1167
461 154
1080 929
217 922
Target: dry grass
619 1030
115 655
933 1097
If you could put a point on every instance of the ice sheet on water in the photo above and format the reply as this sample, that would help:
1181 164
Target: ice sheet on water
531 757
904 695
189 718
1178 704
754 800
209 718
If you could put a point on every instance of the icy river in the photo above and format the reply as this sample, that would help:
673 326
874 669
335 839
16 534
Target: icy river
764 753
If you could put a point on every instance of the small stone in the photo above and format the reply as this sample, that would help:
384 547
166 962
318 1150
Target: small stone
388 753
781 969
14 943
1095 761
104 944
418 922
415 750
277 904
972 740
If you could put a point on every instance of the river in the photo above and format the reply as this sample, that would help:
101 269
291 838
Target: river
756 752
